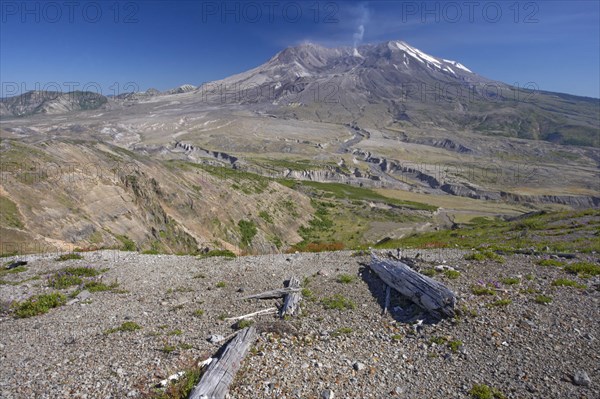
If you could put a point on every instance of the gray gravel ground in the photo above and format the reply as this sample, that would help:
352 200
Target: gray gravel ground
524 349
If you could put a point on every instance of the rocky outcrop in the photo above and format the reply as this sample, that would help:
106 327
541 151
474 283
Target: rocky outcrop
201 152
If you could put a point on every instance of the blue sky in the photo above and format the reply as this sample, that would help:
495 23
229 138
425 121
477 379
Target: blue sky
107 45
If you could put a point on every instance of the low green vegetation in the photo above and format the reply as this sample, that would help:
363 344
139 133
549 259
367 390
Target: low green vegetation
338 302
500 303
128 244
543 299
181 388
241 324
346 278
482 391
71 256
342 331
543 232
198 312
455 345
452 274
266 216
248 231
39 304
584 269
485 255
9 214
510 280
127 326
482 290
550 262
98 286
15 270
565 282
224 253
221 284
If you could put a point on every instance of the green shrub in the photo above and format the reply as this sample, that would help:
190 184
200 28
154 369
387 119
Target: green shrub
266 217
40 304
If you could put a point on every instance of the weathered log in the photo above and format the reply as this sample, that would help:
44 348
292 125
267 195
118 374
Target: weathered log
427 293
273 294
292 300
215 382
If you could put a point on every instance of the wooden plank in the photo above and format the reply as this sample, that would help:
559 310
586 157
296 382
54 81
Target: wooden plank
429 294
273 294
291 304
251 315
388 293
215 382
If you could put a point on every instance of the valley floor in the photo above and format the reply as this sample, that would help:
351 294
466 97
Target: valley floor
506 340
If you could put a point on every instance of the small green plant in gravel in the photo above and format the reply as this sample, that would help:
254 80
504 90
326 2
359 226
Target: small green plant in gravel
455 345
397 337
342 331
223 253
529 277
175 332
482 290
565 282
198 312
98 286
483 255
39 304
221 284
500 303
307 294
18 269
428 272
452 274
346 278
585 269
550 262
241 324
63 280
482 391
543 299
127 326
168 349
510 280
338 302
72 256
438 340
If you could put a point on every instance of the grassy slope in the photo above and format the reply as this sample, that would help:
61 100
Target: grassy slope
568 231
